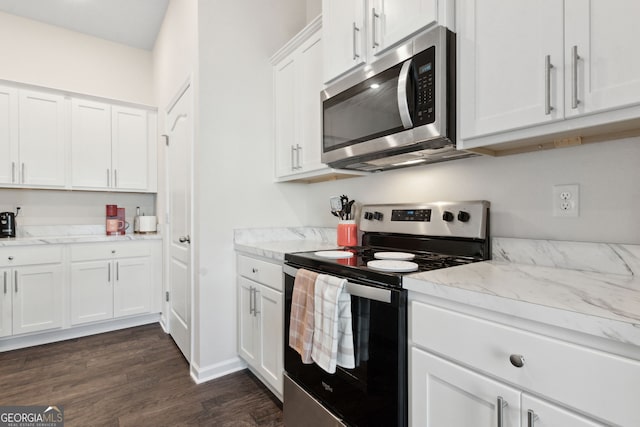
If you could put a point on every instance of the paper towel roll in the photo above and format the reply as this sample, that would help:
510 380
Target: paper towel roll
146 224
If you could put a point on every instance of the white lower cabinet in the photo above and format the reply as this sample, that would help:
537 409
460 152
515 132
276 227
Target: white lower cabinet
110 281
260 319
466 370
32 298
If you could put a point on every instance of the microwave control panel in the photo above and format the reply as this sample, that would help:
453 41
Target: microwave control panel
425 71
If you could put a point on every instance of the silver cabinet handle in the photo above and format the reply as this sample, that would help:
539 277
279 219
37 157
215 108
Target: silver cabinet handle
115 178
403 104
255 302
547 85
108 178
517 360
531 418
251 300
183 239
13 172
298 150
109 272
355 31
5 282
23 174
574 77
374 16
117 271
500 407
15 280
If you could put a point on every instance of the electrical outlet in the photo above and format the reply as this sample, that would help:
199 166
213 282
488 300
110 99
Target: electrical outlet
566 200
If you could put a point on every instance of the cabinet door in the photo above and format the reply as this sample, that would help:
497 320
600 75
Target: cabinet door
309 105
269 307
8 135
285 101
37 298
344 35
129 148
132 287
91 291
247 322
502 76
394 20
545 414
42 139
445 394
605 35
90 144
5 302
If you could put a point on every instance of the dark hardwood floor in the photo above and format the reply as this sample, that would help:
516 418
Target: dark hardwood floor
132 377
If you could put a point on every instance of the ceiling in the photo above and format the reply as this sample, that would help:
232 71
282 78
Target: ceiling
131 22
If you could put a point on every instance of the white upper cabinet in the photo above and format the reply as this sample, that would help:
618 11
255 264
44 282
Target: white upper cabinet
602 65
90 144
357 31
391 21
112 147
503 80
42 139
535 72
130 148
8 134
343 33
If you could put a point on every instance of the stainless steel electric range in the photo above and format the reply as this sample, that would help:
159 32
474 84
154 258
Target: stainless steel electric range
398 239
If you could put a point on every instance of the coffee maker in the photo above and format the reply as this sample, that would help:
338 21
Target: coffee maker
8 223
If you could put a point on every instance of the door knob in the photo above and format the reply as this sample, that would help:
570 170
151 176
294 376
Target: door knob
184 239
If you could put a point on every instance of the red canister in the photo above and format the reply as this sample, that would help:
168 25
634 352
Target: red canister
112 210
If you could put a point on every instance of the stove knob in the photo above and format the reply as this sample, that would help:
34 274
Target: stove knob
463 216
368 215
447 216
377 216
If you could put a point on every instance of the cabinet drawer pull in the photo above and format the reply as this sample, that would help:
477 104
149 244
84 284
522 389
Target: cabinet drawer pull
574 77
5 282
109 272
517 360
547 85
10 258
15 281
501 404
118 271
254 270
251 300
531 418
355 31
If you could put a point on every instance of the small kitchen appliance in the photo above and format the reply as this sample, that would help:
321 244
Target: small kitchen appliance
398 239
144 223
8 223
398 111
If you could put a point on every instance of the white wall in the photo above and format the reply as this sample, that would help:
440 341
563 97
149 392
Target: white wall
45 55
519 188
314 8
235 151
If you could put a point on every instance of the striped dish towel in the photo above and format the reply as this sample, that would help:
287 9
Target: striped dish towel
333 331
302 312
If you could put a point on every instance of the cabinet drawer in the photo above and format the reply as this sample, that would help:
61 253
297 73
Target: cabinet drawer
26 255
597 383
96 251
264 272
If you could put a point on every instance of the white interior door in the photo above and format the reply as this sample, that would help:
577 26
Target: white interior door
179 127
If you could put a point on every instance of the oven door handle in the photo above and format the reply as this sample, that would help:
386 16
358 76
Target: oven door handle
355 289
403 102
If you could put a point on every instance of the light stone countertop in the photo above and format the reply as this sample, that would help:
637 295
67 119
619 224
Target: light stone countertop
273 243
63 234
584 287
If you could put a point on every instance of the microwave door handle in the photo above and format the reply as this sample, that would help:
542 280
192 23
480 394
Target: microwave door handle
403 103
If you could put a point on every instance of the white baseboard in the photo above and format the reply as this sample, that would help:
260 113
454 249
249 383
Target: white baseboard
13 343
208 373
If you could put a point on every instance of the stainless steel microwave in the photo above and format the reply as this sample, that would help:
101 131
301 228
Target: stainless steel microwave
395 112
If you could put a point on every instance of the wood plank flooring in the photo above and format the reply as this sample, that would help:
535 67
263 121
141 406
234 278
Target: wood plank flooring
132 377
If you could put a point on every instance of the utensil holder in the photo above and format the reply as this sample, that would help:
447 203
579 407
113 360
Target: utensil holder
347 233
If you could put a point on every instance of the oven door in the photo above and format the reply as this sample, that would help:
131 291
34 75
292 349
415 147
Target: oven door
375 391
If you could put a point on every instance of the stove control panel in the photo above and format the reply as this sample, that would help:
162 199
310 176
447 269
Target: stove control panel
446 219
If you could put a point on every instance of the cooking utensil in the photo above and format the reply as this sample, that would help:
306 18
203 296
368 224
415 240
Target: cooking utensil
336 206
348 209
